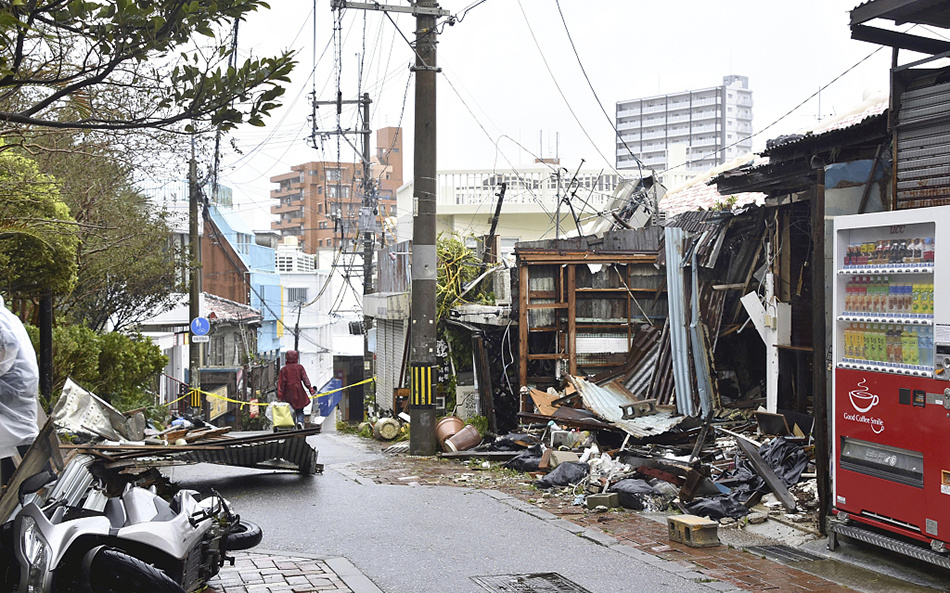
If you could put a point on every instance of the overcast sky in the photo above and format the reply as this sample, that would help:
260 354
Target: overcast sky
512 87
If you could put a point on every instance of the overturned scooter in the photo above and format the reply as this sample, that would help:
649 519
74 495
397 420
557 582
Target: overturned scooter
70 537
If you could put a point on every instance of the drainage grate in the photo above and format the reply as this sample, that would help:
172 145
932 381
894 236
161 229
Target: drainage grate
784 553
540 582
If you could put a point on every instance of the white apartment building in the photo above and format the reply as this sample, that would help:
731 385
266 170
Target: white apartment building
305 323
688 132
466 202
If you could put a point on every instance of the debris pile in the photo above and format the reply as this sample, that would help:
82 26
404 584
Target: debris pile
602 448
129 450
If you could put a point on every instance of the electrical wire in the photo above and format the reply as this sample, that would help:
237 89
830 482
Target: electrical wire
596 98
558 86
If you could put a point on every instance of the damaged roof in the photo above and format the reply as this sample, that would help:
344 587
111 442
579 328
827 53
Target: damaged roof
854 135
698 194
606 402
222 310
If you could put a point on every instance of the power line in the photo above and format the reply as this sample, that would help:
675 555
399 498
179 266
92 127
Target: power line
601 105
558 86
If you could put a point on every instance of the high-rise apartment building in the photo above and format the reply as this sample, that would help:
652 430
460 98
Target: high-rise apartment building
319 202
687 132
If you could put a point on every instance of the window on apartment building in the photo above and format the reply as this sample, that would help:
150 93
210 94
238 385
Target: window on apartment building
320 243
297 295
338 191
323 224
334 175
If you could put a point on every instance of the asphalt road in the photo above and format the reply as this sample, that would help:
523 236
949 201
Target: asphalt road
424 538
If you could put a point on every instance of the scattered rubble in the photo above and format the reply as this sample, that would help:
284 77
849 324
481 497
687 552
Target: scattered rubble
650 459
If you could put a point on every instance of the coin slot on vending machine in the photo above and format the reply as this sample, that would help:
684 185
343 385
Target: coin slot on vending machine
942 361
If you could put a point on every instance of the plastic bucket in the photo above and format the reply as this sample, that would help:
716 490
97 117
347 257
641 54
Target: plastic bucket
447 427
463 440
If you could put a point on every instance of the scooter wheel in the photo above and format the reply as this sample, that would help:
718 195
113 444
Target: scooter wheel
243 536
114 571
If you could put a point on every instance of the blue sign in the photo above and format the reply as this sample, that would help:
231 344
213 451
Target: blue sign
200 326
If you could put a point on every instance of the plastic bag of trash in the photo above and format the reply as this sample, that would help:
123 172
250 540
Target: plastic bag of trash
565 474
717 508
787 460
514 442
634 493
526 461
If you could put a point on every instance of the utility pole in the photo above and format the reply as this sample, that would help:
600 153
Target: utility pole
368 222
422 352
194 284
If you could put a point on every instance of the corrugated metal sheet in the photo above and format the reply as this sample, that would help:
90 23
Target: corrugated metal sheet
675 239
606 402
923 147
288 452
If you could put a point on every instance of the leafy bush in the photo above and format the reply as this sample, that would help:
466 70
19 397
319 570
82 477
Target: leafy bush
117 367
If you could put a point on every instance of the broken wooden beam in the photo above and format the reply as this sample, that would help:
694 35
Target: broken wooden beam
762 468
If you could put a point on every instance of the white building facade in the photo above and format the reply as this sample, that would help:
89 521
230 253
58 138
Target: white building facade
305 325
533 208
688 132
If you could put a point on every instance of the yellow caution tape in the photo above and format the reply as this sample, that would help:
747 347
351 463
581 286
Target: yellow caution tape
196 392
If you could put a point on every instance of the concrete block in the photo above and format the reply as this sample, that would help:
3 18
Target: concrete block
608 499
638 409
696 532
558 457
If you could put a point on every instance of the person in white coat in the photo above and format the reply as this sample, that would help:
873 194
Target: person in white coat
19 383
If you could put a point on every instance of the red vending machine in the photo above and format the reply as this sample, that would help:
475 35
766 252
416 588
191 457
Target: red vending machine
891 405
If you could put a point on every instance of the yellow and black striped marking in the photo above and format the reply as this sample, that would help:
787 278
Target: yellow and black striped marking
420 385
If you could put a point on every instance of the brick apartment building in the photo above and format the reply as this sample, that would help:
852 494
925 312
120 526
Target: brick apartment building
319 202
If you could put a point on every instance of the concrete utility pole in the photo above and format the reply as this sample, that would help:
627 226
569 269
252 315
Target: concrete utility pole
422 353
194 284
368 223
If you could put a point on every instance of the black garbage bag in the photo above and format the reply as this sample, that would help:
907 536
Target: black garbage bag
787 460
514 442
565 474
717 508
528 460
634 493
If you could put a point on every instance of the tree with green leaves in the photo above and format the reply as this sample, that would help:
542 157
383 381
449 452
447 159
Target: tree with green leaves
131 65
38 236
117 367
127 266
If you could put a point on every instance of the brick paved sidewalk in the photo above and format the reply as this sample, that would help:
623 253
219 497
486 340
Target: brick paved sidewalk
276 572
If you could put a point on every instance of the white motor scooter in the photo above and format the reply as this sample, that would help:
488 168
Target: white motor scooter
69 536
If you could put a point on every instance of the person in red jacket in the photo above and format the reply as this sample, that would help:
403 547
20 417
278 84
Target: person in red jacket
293 386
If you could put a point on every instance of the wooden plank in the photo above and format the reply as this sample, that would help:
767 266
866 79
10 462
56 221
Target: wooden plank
523 330
490 455
571 319
547 306
543 401
763 469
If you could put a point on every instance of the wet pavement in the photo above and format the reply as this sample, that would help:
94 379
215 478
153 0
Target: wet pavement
633 546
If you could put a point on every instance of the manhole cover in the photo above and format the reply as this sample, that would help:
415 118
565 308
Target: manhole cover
540 582
784 553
